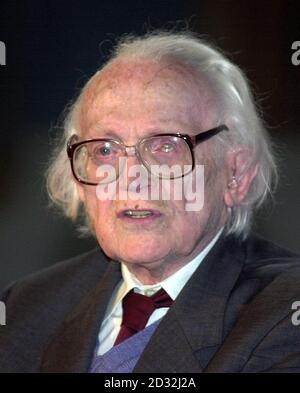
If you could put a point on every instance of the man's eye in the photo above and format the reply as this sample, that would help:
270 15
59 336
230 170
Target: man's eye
102 151
167 148
163 148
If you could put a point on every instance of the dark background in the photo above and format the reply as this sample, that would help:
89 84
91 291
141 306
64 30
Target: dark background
53 47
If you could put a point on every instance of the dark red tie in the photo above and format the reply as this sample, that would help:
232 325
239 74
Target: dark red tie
137 309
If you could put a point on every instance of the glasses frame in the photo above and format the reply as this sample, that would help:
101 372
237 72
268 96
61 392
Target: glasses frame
192 142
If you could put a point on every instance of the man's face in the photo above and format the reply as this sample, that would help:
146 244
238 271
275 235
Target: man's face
130 101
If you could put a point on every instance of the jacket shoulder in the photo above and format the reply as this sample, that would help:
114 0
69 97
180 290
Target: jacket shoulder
66 278
267 261
37 305
260 307
269 281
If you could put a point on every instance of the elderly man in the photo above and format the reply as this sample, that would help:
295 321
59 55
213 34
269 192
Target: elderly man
179 283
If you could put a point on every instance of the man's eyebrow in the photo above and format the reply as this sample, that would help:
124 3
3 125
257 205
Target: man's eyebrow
114 136
168 127
104 133
163 131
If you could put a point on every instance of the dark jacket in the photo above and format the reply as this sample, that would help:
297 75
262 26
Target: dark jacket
233 315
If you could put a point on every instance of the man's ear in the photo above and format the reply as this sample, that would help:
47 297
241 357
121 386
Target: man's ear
80 191
240 175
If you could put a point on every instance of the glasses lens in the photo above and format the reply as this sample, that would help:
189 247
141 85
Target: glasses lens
167 156
97 161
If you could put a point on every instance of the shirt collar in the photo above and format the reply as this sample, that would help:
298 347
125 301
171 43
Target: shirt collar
172 285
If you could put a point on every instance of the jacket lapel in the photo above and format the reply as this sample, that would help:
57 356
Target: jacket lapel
71 349
188 336
191 332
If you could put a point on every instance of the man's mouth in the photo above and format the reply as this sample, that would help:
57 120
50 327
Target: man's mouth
138 213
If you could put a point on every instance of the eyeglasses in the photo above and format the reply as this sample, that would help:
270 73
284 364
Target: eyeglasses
167 156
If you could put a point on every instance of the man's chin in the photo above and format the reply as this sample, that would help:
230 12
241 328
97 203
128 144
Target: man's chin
136 249
141 256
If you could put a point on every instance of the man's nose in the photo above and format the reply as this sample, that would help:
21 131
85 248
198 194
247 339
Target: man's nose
132 168
132 163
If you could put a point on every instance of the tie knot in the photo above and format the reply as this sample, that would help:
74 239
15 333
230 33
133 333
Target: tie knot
137 300
137 309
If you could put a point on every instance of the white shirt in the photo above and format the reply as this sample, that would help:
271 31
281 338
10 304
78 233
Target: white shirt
172 285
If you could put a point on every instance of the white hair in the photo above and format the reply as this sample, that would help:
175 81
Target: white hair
236 109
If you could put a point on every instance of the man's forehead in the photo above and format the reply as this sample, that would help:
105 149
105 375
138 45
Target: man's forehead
130 86
143 74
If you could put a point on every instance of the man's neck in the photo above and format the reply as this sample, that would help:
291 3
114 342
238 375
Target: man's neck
158 271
